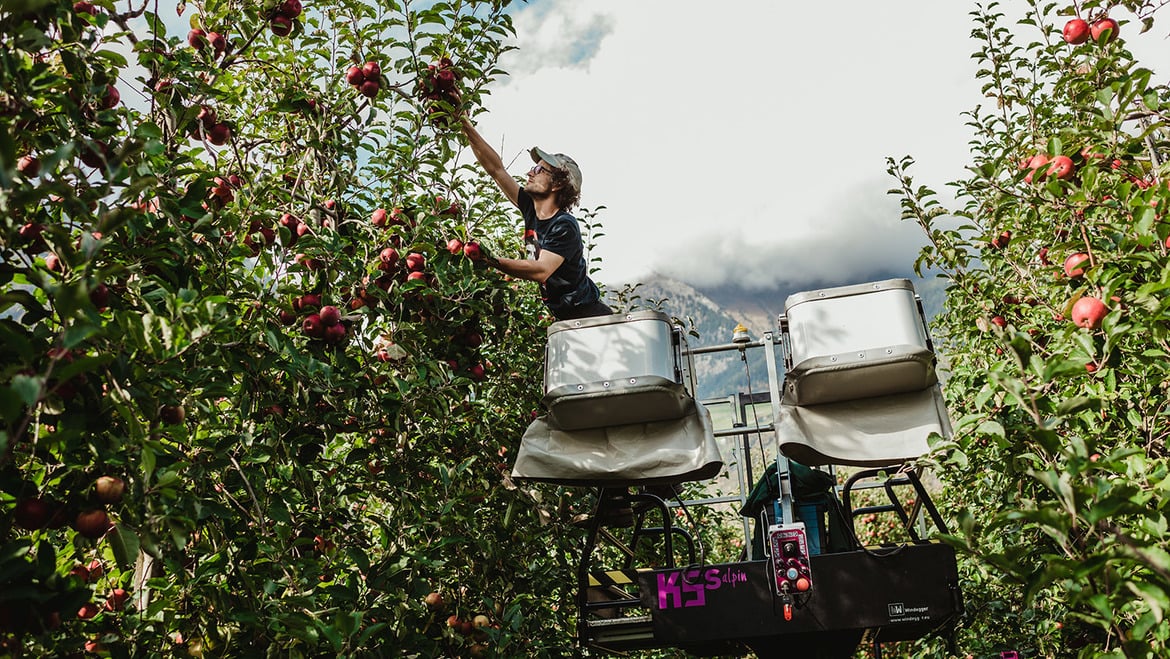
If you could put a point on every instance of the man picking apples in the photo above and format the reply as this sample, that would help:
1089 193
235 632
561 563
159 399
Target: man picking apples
556 253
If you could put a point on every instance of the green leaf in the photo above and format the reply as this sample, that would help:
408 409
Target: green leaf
114 58
27 389
124 543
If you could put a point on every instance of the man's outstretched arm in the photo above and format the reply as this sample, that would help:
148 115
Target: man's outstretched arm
538 270
490 160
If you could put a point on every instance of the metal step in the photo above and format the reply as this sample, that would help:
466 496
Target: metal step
621 634
614 622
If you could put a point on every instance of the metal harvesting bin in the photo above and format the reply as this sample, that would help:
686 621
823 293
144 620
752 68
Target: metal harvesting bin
615 370
856 341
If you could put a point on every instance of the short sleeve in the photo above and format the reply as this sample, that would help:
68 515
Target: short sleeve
563 237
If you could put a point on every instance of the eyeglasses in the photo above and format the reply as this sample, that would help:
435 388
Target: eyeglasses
538 168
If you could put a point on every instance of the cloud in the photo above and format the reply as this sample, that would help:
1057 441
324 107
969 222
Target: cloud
862 236
555 38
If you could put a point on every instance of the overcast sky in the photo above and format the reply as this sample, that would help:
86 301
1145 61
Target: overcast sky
746 142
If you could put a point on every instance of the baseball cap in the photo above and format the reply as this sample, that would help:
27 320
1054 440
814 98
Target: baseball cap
561 162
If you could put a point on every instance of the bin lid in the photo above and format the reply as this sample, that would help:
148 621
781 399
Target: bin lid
845 291
612 319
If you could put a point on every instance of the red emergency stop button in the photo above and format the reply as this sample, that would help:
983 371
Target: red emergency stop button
802 584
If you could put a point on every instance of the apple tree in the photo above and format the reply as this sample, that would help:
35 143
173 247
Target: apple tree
1055 335
256 396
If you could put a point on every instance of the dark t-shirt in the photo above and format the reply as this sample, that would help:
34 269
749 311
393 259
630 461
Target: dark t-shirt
569 285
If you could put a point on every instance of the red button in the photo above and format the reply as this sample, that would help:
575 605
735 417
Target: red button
802 584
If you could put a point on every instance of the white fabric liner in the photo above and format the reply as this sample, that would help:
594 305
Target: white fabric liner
869 432
673 451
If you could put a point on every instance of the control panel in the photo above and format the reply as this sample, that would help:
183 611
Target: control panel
788 545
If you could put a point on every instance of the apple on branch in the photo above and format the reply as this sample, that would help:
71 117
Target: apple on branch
1074 265
32 513
415 261
1088 312
28 166
197 39
1061 167
1034 165
280 25
109 489
330 315
92 524
1104 27
1076 31
1001 241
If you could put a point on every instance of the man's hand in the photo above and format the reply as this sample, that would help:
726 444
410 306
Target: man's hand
485 258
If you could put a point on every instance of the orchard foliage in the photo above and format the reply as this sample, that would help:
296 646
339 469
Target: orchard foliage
251 401
1059 472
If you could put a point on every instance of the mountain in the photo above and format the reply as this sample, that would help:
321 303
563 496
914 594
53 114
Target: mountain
713 313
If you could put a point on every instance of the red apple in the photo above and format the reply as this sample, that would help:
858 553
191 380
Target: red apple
477 372
280 25
172 415
999 321
116 599
1061 167
389 256
218 42
330 315
416 275
95 155
453 621
1106 27
312 326
53 262
310 301
1076 31
1088 312
455 246
335 333
206 117
1074 265
472 251
354 76
287 317
379 217
197 39
83 7
480 621
290 8
100 296
1001 241
92 524
32 513
1033 166
415 261
369 88
434 600
371 71
109 489
219 134
28 166
87 611
96 569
